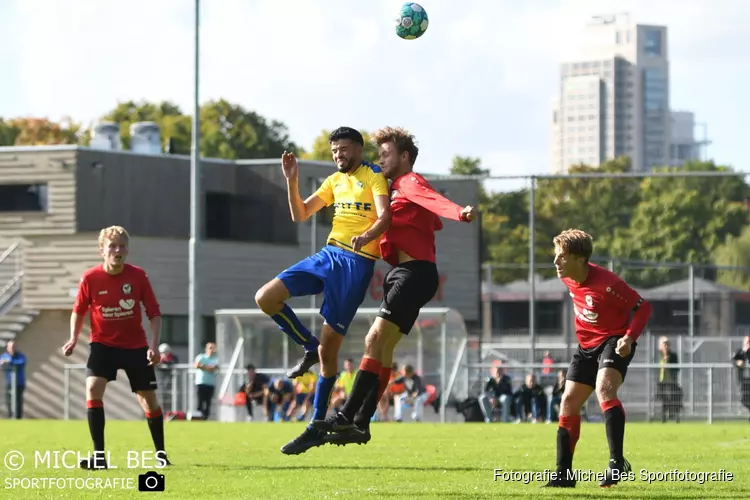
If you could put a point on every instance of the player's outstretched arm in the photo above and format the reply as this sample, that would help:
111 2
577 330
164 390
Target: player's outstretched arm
301 210
425 196
381 224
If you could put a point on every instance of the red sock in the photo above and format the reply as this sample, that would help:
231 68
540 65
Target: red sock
94 403
385 377
572 424
370 365
612 403
153 414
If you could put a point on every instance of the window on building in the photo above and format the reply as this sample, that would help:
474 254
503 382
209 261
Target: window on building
23 198
244 218
175 330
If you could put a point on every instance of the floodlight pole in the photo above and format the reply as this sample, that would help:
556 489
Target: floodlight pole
313 248
194 307
532 268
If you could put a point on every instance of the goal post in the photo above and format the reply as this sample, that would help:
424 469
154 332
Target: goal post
435 348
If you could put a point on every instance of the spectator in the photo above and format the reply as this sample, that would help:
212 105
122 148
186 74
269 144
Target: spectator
553 408
168 360
255 389
279 398
14 366
205 380
530 400
304 388
547 361
386 401
414 394
668 389
498 391
344 385
742 361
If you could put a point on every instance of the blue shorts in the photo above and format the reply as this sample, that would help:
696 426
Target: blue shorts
341 275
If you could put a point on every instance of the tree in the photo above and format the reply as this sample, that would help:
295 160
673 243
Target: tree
8 133
466 165
598 206
735 252
41 131
227 130
682 219
321 149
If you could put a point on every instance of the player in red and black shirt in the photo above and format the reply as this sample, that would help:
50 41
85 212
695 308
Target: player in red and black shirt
610 316
409 246
112 293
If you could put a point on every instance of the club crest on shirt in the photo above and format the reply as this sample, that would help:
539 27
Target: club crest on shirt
126 289
589 301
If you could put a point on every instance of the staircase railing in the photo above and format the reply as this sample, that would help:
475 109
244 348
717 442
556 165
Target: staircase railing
11 275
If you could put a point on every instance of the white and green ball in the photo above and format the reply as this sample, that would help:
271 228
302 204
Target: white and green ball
413 21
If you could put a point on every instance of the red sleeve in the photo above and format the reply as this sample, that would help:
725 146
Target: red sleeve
419 192
632 301
148 298
83 298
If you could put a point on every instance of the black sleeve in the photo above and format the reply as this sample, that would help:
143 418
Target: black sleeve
489 386
739 356
418 386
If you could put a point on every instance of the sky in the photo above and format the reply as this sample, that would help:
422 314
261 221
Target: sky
479 83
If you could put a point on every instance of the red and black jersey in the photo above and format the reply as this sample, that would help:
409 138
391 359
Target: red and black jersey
115 304
606 306
416 209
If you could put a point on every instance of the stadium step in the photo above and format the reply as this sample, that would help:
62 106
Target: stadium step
14 322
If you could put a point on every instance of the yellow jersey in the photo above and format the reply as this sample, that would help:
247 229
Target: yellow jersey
353 196
346 382
306 383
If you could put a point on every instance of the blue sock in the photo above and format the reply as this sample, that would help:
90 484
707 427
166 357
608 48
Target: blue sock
294 329
322 397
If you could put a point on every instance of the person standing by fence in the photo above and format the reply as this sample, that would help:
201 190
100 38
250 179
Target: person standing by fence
742 361
14 366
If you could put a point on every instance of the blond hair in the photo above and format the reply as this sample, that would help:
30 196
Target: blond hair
575 242
400 138
112 232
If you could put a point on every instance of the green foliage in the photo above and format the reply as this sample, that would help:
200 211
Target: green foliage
735 252
8 133
40 132
670 219
227 130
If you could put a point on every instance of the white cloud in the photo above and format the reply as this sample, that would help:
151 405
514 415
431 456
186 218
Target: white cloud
478 83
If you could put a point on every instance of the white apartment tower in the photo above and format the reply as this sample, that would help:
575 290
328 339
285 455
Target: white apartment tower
614 98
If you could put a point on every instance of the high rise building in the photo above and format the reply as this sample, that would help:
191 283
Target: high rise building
614 97
684 146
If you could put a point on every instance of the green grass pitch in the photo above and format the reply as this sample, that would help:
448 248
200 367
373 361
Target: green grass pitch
403 461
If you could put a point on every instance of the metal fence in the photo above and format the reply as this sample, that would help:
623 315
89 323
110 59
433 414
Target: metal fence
715 393
175 385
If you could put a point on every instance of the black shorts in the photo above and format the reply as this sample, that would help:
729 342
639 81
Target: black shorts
104 361
587 362
406 289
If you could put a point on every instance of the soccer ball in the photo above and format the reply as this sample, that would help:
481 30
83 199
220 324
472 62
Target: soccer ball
412 22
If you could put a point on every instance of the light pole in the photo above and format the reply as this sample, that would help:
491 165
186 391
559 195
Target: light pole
194 307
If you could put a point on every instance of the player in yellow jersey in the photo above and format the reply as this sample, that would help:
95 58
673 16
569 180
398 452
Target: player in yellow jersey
342 270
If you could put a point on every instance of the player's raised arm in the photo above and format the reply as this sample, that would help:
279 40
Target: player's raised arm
299 209
419 192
